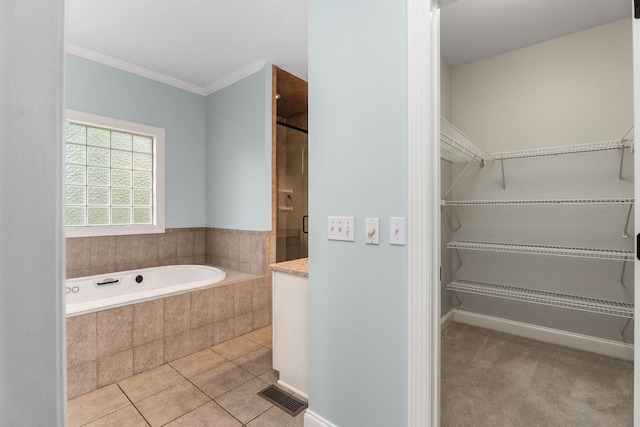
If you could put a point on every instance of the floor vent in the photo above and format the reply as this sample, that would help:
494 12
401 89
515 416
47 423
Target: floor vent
283 400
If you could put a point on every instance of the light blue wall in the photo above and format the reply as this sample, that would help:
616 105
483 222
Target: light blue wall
239 154
357 166
99 89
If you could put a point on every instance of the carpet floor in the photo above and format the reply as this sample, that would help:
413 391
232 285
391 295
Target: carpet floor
494 379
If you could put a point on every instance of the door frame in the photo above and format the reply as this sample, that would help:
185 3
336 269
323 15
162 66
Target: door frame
423 84
423 369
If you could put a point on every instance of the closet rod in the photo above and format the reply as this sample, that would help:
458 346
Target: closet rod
287 125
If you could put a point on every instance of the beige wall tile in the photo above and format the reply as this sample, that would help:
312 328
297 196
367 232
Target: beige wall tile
103 251
177 314
224 330
78 273
201 338
167 246
127 249
115 367
148 356
244 297
78 253
261 318
82 379
148 245
177 346
148 323
262 293
257 269
185 261
234 246
244 253
257 249
185 244
199 243
224 302
115 330
106 269
82 342
200 259
244 323
201 307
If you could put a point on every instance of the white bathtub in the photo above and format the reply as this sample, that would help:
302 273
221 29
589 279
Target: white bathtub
93 293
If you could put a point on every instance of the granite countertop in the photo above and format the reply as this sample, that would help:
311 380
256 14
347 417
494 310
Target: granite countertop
299 267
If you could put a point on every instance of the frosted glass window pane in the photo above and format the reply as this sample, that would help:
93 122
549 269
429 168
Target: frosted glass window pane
121 141
120 197
141 197
97 196
76 133
76 154
120 159
75 175
98 216
98 156
142 161
141 179
142 144
120 178
97 176
74 215
98 137
142 215
121 216
75 195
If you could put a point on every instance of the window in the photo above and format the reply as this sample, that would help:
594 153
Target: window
114 177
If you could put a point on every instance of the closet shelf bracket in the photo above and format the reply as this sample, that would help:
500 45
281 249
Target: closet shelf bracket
621 282
504 183
625 235
457 179
624 328
623 143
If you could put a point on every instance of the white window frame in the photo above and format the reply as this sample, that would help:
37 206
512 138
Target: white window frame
158 219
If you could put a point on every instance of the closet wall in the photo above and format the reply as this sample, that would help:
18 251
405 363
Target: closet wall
572 90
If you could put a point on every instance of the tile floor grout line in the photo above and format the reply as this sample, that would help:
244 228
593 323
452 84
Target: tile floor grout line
134 405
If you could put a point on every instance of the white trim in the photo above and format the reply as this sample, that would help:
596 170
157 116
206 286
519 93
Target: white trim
446 320
549 335
636 121
311 419
157 133
236 76
131 68
423 370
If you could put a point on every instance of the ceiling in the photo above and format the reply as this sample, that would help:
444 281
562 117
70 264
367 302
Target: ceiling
203 46
200 43
471 30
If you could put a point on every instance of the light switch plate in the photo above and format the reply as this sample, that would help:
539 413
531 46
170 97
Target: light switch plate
372 231
341 228
397 231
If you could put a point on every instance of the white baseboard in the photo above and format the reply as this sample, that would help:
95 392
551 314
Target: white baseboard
311 419
446 320
292 389
553 336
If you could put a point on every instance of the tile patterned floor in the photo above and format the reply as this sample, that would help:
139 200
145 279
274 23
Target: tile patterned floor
214 387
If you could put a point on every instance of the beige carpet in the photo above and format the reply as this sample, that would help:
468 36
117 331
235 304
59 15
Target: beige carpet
495 379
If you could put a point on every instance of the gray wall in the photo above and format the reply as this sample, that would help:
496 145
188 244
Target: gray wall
357 166
238 121
99 89
32 359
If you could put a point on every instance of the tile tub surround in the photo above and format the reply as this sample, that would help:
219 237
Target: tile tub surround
238 249
247 251
110 345
87 256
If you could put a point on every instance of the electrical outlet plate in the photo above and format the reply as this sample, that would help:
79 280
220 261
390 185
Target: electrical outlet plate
397 231
372 231
341 228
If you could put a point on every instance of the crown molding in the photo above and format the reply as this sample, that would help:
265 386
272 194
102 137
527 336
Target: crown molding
237 75
133 69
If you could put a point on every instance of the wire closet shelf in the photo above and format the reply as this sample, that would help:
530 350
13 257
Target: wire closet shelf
607 254
553 299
